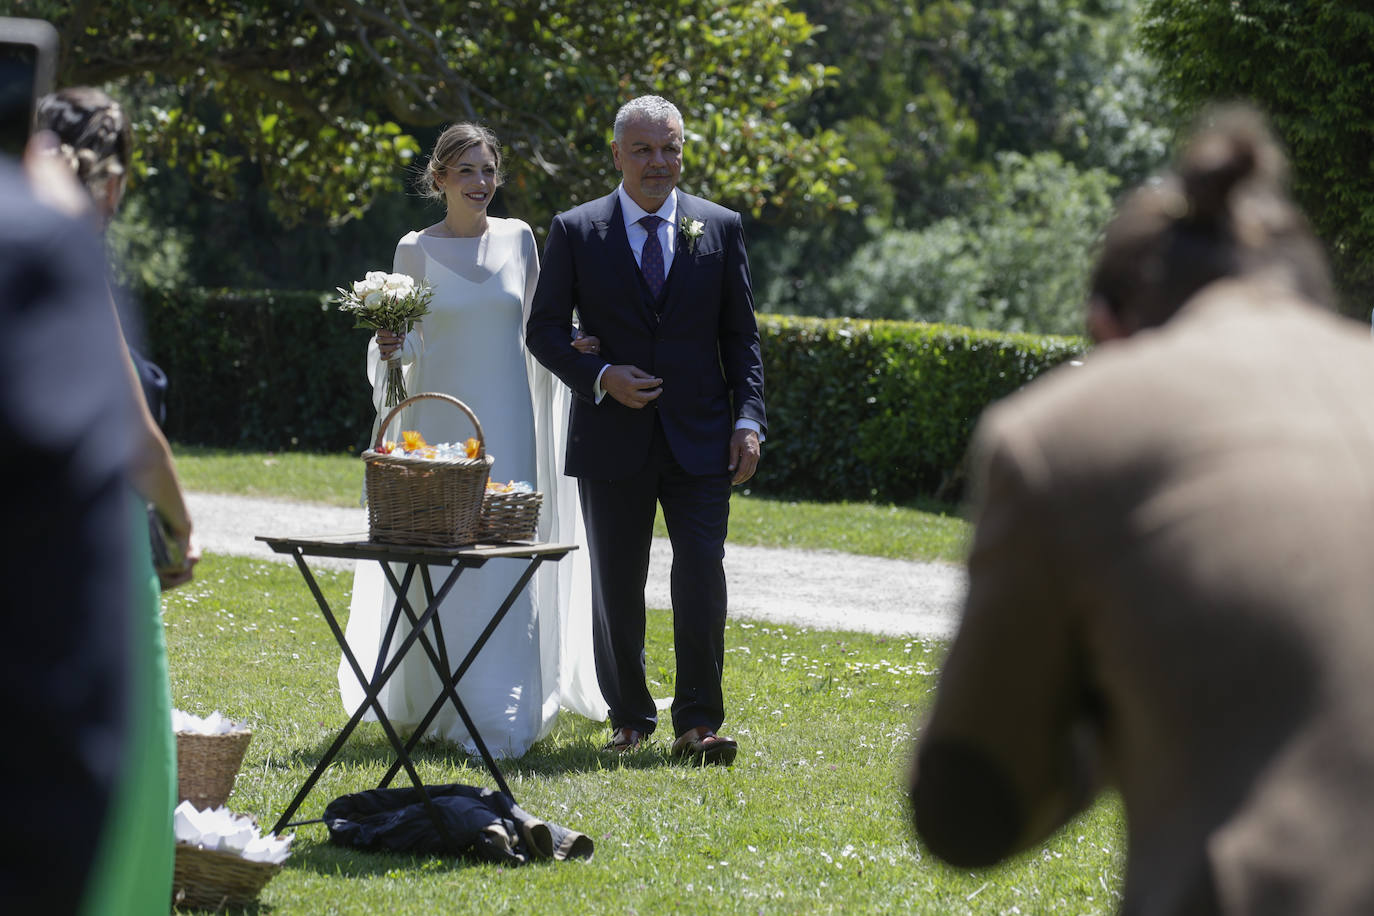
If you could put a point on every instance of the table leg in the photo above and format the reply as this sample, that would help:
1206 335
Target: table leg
440 663
441 667
439 660
371 688
450 681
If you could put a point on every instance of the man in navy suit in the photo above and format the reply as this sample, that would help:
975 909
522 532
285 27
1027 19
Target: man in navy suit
668 411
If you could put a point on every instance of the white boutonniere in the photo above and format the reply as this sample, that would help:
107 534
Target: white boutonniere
691 230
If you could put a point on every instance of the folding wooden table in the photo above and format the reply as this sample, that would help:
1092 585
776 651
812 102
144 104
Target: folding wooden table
414 558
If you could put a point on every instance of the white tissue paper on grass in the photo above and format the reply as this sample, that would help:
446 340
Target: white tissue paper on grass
219 829
214 724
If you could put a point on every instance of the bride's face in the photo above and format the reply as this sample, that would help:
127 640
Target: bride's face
469 181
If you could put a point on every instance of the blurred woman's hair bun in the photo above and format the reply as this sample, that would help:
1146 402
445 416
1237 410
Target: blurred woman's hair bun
1223 211
1233 150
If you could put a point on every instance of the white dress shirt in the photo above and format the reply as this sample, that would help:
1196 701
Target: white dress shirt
638 235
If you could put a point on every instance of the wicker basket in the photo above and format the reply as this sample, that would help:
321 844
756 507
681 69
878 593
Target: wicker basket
509 516
211 879
207 766
428 501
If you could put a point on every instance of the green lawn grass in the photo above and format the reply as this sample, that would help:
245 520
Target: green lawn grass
811 819
923 531
336 479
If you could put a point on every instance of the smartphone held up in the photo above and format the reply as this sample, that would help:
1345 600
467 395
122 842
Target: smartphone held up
28 60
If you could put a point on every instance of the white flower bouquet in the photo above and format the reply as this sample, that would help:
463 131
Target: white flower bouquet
387 302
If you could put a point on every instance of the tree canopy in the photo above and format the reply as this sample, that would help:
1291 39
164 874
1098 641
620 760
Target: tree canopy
945 106
927 92
1016 258
1309 67
324 96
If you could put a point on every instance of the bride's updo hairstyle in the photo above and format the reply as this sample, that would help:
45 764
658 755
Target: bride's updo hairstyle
451 145
1223 212
94 134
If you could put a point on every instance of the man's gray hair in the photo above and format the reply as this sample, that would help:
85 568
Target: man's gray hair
650 108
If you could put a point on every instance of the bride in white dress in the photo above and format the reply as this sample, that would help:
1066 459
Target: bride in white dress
483 270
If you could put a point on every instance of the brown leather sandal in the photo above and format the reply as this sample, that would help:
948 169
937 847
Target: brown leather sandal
704 747
624 740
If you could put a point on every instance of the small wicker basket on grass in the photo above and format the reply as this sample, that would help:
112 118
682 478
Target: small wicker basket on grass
207 766
212 879
509 517
434 502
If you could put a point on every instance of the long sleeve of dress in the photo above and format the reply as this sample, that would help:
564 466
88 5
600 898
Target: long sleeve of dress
409 259
561 522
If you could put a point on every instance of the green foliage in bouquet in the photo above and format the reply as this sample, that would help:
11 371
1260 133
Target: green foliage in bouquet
883 410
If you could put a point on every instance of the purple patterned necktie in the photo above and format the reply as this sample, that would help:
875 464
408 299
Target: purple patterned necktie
651 260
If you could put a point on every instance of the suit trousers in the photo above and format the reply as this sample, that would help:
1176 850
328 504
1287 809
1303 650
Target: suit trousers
619 517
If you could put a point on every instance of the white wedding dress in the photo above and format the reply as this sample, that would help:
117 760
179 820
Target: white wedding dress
471 346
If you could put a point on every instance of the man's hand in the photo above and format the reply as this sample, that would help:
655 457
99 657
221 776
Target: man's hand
633 387
744 454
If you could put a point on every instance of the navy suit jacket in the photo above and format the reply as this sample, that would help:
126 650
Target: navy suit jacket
704 343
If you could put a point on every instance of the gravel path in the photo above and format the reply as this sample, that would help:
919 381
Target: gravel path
824 590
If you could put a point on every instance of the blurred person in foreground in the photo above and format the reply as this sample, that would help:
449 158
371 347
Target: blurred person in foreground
67 559
132 871
1170 585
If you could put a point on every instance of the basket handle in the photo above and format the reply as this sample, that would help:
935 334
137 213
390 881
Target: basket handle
481 441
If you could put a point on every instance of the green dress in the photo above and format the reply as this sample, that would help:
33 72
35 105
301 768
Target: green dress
132 875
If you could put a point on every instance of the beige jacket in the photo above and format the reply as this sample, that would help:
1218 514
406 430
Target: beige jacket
1172 592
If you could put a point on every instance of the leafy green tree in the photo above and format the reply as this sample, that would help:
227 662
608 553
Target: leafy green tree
932 89
1310 66
1016 260
323 96
928 95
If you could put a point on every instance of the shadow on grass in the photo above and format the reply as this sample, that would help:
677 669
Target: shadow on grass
951 507
575 747
325 858
253 909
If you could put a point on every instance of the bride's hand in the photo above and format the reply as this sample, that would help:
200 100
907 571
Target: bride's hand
586 343
388 343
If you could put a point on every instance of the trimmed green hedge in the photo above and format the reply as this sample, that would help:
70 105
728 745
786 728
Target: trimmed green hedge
883 410
866 410
261 369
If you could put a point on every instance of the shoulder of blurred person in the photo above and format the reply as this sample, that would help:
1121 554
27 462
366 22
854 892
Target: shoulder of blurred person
66 422
61 348
1223 349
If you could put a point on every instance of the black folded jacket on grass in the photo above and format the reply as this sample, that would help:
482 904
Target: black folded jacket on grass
482 824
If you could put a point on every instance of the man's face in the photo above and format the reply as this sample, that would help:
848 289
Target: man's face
649 156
